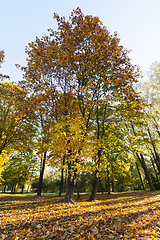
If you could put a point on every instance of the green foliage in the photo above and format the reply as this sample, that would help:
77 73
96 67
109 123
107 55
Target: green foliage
19 171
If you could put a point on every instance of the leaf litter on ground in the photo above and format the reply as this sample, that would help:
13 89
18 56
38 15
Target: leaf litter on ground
132 215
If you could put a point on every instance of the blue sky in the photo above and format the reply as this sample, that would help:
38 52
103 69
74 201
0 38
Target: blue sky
137 23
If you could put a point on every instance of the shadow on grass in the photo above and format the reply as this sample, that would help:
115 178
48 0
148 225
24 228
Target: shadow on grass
107 220
13 201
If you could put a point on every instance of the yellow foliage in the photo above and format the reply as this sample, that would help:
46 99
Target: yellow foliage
4 157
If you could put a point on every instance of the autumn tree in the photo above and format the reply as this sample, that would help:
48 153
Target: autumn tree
81 68
19 169
1 57
15 125
150 93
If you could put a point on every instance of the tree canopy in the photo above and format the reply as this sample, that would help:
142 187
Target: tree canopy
77 107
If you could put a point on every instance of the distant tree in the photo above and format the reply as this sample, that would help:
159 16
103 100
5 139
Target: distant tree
19 170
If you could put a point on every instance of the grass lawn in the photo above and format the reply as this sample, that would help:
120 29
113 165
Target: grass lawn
133 215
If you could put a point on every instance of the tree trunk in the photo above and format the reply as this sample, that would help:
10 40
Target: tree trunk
69 190
22 189
108 181
71 182
156 125
101 185
65 181
61 184
156 162
106 185
144 166
13 189
41 175
157 158
78 195
140 176
4 189
156 173
27 188
112 181
95 187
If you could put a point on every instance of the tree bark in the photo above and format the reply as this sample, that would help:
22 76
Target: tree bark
156 162
69 190
22 189
157 158
155 173
78 195
108 181
112 181
140 176
156 125
41 175
61 184
65 180
101 185
71 182
95 187
144 166
27 188
4 189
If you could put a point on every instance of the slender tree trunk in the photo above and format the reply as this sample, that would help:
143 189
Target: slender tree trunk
65 181
4 189
156 125
108 181
22 189
100 182
112 181
78 195
156 173
99 136
157 158
27 188
41 175
61 184
14 189
95 187
144 166
140 176
106 185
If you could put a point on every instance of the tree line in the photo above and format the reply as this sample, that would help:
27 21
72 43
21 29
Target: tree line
80 108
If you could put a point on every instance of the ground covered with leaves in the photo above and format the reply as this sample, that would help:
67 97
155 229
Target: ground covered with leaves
133 215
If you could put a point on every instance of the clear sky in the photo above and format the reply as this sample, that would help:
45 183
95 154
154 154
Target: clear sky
137 23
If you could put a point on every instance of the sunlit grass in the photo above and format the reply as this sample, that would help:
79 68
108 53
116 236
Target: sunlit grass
133 215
